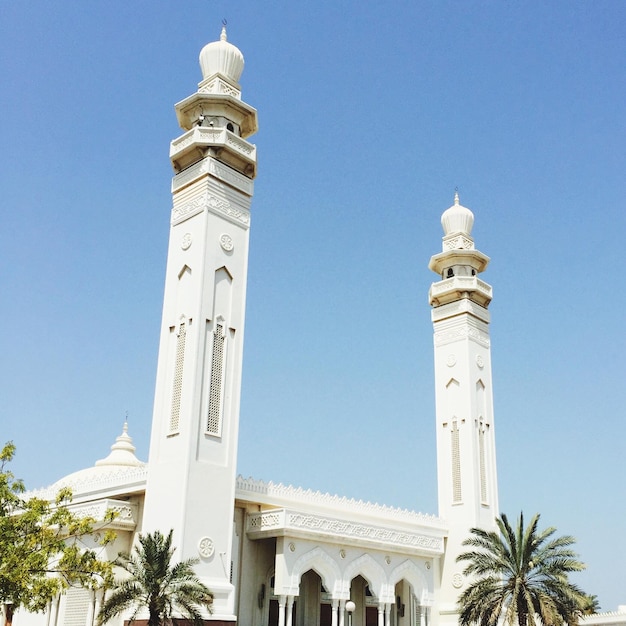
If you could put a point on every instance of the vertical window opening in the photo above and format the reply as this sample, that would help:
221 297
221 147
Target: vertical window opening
214 417
178 379
483 473
456 464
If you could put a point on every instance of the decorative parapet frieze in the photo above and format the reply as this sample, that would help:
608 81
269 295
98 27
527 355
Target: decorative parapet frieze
213 204
249 489
96 479
287 522
125 512
608 618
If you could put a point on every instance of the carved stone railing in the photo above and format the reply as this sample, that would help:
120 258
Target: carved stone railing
125 512
461 283
293 523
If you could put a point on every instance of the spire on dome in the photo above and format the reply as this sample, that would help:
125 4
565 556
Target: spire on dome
457 219
122 451
221 57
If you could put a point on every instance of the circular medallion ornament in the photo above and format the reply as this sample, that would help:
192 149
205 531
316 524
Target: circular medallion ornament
388 560
457 581
226 241
206 547
480 361
427 564
185 243
292 547
451 360
342 553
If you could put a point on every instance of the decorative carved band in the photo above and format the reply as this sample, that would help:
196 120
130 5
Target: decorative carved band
210 166
213 204
458 242
286 495
464 332
218 85
276 522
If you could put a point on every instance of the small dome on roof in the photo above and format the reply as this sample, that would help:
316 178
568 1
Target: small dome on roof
221 57
457 219
120 468
122 451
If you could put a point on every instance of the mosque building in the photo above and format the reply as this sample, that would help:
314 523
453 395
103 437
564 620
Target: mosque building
276 555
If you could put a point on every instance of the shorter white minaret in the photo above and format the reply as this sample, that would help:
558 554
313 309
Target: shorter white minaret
466 456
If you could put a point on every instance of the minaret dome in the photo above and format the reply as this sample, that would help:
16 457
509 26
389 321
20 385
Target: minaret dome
221 57
457 219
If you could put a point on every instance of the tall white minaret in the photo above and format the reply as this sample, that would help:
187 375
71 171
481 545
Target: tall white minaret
466 454
193 447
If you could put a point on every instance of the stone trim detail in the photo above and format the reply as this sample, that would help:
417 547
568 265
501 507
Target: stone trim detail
125 519
95 479
213 204
218 85
289 520
249 489
466 332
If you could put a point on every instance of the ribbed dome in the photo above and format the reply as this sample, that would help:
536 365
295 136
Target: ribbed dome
457 219
122 451
221 57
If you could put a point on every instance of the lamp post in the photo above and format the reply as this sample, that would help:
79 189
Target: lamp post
350 606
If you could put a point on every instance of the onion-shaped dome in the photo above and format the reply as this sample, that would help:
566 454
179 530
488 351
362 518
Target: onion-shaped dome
122 451
117 471
221 57
457 219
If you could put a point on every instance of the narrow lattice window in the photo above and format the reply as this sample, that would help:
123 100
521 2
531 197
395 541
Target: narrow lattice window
483 469
76 606
214 417
177 385
456 464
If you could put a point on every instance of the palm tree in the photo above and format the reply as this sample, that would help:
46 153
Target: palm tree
522 575
157 584
590 605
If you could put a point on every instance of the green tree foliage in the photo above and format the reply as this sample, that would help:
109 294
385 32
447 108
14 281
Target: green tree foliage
590 605
521 575
41 548
153 582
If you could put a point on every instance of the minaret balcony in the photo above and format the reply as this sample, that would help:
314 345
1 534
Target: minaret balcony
226 146
460 288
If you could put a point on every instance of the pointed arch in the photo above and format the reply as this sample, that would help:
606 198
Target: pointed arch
184 271
226 270
367 567
415 575
322 563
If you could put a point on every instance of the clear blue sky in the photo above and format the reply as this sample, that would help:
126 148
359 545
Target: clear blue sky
370 114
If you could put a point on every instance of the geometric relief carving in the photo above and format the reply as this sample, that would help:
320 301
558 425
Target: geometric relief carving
214 204
282 521
465 332
335 527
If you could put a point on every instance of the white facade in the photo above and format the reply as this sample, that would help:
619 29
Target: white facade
272 554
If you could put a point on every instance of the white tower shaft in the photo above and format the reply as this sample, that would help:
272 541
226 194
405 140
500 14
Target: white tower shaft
466 460
193 448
